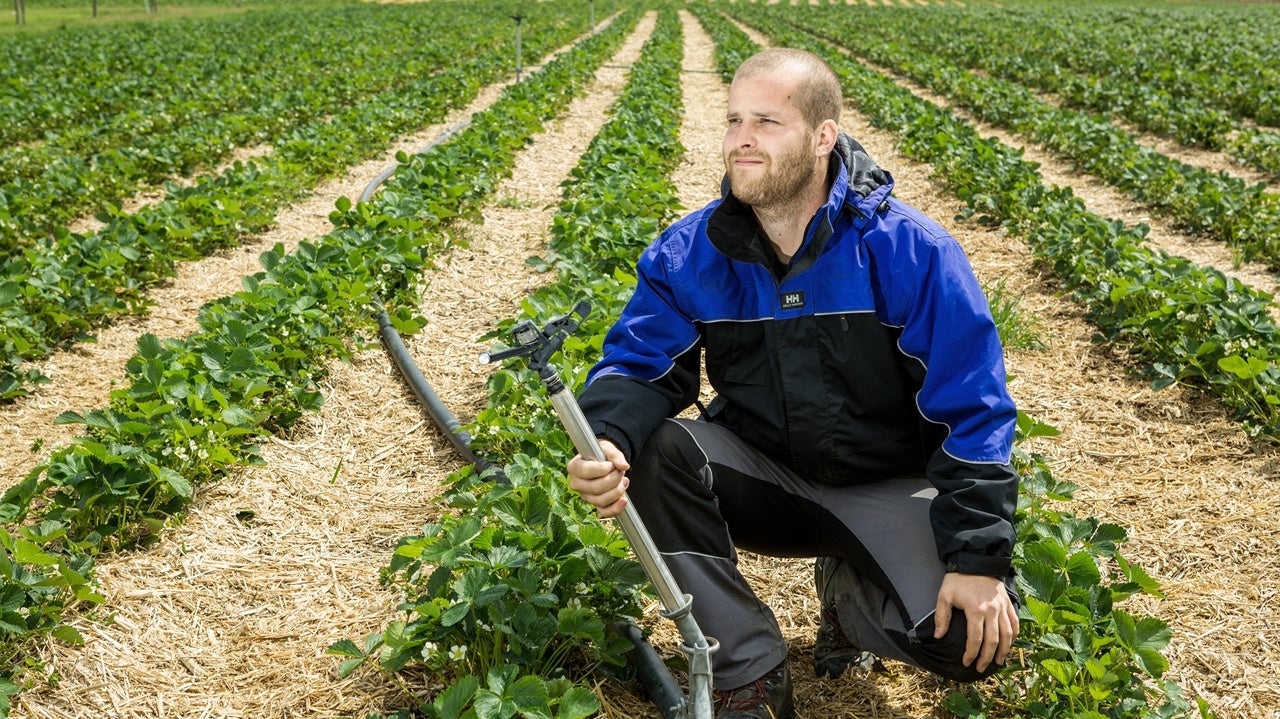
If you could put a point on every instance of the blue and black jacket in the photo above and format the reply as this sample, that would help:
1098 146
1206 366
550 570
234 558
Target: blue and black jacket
872 354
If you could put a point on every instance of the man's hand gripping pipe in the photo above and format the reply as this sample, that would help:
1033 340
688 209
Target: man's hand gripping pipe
538 345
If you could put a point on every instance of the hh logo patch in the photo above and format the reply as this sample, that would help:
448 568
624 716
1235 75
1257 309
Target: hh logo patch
792 300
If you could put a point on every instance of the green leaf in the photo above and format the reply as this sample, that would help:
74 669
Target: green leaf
528 692
1048 553
1043 581
1139 576
1242 368
489 705
344 648
1061 672
580 623
455 614
578 703
958 703
68 635
30 553
1029 427
346 666
453 701
174 479
69 417
149 346
1057 641
1082 570
1152 634
1153 662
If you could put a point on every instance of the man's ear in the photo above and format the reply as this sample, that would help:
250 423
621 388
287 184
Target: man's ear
826 135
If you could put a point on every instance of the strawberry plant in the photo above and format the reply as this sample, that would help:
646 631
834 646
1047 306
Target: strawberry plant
213 85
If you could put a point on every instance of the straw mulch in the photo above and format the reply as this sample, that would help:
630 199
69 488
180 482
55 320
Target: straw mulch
230 614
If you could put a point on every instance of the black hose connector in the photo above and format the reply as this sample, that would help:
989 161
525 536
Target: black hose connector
654 676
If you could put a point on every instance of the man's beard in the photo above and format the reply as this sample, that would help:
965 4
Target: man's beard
784 179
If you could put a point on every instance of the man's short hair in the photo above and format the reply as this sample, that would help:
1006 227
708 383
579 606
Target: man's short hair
818 94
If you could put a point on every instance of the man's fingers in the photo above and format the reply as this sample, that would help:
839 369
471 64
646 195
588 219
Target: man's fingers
974 642
941 619
585 468
605 493
614 455
1008 630
601 484
995 637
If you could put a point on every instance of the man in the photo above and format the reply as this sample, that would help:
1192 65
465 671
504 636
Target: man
861 414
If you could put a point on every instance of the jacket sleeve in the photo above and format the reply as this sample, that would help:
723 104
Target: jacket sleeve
650 365
947 326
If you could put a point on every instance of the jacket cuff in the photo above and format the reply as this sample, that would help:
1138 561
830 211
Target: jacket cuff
966 563
604 430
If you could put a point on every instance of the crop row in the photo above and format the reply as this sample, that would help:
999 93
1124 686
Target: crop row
1224 207
255 89
1082 654
191 409
1223 57
59 290
974 41
982 39
523 580
123 70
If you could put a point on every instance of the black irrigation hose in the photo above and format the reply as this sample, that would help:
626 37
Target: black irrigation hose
376 182
651 673
440 414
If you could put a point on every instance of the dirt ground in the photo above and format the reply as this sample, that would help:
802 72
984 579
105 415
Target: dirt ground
228 617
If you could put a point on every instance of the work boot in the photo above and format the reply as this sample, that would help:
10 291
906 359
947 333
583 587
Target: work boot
768 697
833 653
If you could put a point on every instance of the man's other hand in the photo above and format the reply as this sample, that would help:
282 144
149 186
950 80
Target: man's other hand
992 619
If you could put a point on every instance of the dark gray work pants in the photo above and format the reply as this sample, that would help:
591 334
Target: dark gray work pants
702 491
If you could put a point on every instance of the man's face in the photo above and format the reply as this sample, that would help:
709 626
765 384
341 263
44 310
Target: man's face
769 149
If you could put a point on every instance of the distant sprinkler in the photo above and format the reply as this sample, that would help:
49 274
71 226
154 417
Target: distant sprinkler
518 17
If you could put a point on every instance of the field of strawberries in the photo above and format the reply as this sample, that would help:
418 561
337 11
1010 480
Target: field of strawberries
220 497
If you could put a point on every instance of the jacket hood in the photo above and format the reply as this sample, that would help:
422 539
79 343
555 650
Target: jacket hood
865 176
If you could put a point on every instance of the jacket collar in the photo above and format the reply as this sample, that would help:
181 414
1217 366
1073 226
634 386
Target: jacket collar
858 186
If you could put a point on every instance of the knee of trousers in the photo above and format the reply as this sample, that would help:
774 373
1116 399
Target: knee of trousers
670 460
945 656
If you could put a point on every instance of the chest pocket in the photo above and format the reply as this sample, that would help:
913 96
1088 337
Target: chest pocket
737 353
